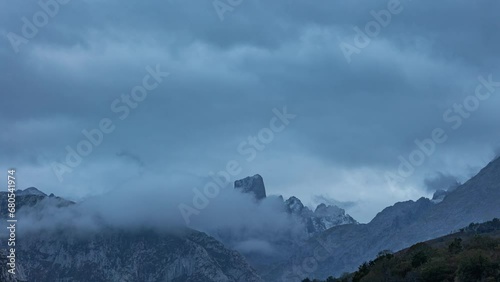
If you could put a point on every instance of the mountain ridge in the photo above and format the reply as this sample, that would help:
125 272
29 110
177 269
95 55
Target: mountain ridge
471 254
397 227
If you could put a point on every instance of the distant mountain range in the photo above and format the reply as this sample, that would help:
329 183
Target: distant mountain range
472 254
342 248
332 242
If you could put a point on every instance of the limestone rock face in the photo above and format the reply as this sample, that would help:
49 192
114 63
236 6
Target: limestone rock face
252 185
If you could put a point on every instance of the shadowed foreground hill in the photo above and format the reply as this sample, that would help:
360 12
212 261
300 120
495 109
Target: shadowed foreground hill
473 254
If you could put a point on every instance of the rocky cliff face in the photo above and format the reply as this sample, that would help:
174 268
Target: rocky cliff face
145 255
252 185
343 248
112 254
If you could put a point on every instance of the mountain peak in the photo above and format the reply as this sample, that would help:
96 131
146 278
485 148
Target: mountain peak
252 184
294 205
30 191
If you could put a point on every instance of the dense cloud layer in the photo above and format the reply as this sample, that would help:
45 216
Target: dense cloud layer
241 222
227 74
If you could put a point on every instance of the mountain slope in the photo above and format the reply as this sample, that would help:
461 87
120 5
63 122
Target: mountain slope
342 248
70 253
144 255
473 254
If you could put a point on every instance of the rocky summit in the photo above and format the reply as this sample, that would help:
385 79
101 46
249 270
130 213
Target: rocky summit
252 185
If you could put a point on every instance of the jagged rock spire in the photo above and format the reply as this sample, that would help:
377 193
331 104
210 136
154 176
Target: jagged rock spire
252 184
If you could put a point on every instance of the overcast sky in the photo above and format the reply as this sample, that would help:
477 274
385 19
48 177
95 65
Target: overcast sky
229 67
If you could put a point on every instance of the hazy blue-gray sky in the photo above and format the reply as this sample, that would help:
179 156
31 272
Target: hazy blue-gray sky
354 117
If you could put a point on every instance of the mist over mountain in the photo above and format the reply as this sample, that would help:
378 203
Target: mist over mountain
60 240
265 230
256 237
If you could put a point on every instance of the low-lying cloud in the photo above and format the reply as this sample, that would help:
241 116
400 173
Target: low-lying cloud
441 181
235 218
